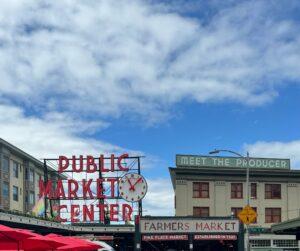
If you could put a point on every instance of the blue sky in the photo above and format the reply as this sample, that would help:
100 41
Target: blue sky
153 78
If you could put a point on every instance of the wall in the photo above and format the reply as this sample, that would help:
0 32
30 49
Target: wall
17 182
220 201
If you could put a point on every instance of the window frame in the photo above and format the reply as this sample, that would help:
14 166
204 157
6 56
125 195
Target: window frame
235 211
15 169
201 210
31 171
272 215
253 197
198 188
31 195
5 195
15 188
269 193
234 192
26 197
6 169
255 209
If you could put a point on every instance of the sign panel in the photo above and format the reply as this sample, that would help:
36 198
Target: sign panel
223 237
90 188
247 215
177 237
104 237
162 226
208 161
259 230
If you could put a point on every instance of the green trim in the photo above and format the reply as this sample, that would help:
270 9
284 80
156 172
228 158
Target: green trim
198 161
285 227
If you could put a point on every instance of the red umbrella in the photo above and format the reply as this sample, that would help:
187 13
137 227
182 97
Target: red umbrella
13 234
10 238
74 243
15 239
8 245
36 243
37 239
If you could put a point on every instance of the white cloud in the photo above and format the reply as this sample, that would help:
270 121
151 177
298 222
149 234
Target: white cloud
159 200
56 135
110 58
51 136
272 149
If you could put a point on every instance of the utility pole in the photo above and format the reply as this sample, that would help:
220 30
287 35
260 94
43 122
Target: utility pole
216 151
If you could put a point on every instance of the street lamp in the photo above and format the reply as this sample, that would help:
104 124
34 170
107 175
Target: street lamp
216 151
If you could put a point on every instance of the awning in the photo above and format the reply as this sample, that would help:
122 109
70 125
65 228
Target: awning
287 227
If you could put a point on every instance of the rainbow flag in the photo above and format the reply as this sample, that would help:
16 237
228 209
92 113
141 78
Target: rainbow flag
39 207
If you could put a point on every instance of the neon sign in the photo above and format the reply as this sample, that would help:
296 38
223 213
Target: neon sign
107 186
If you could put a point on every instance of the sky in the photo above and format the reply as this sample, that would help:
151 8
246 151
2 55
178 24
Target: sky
152 78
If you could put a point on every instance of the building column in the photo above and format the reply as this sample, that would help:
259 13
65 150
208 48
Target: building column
241 244
137 234
191 244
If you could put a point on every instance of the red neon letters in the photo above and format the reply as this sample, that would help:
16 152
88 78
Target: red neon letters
91 164
71 189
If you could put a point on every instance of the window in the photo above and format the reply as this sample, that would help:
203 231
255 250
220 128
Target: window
236 190
260 243
26 173
273 215
201 211
253 191
5 164
15 169
31 175
200 190
26 196
285 243
255 209
5 190
15 193
31 198
236 210
272 191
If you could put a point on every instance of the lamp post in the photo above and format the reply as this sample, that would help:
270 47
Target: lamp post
216 151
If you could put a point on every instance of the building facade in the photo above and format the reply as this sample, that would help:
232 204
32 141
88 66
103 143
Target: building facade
19 178
214 186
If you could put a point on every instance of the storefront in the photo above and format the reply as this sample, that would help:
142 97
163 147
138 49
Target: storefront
188 233
289 228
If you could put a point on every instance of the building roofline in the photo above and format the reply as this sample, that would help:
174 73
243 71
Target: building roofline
234 171
22 153
224 169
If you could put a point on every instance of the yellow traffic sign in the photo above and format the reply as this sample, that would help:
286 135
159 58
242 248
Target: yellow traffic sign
247 215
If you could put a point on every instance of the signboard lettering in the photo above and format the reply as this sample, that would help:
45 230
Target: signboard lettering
188 226
183 237
206 161
215 237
